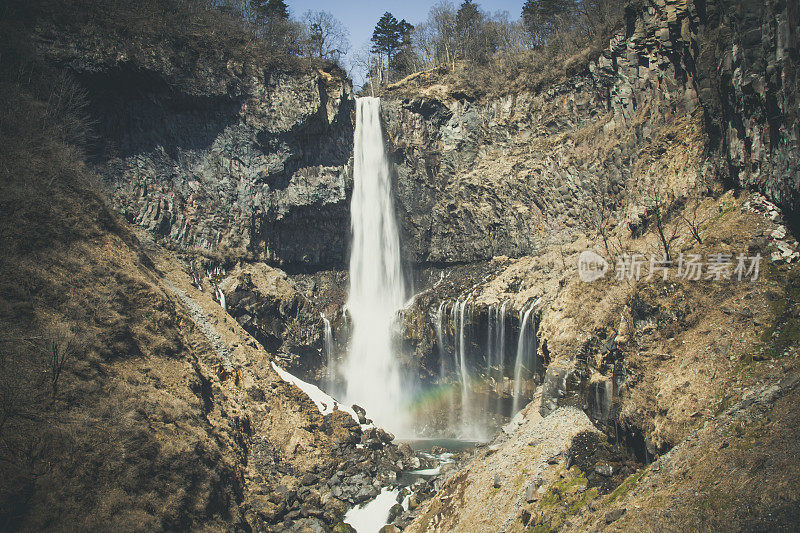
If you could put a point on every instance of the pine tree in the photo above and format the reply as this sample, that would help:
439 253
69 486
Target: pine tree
468 15
468 29
541 17
270 9
277 8
404 59
386 38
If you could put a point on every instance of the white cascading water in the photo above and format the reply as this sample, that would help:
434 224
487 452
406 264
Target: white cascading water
440 338
522 350
221 298
501 340
501 353
466 414
327 337
377 288
491 332
491 323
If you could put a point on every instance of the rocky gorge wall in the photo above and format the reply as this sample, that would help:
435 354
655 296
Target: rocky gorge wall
680 99
226 156
485 176
227 159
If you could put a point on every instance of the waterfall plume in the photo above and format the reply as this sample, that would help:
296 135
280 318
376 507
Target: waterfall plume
377 287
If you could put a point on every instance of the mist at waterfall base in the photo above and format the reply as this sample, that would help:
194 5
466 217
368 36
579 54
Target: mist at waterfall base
487 367
473 393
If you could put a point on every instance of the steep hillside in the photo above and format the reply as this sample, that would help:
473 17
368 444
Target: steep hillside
486 169
129 399
629 152
222 148
204 136
175 199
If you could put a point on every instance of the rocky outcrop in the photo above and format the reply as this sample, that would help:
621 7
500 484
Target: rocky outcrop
495 479
494 175
269 307
748 79
739 61
224 155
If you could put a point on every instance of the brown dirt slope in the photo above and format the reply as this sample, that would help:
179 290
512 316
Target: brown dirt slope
129 400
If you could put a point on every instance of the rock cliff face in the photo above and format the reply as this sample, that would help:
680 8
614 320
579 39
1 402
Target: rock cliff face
485 177
238 162
747 68
682 96
269 307
228 157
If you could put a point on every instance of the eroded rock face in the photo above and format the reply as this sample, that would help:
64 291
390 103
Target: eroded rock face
229 156
261 175
269 307
478 178
747 78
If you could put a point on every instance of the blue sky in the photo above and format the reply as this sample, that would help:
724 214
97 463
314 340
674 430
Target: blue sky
360 17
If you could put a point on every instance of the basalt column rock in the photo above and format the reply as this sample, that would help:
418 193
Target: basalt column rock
222 153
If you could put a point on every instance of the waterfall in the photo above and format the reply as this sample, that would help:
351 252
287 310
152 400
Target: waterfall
501 339
490 341
500 350
442 351
440 338
221 298
377 288
462 362
522 350
491 331
454 323
327 338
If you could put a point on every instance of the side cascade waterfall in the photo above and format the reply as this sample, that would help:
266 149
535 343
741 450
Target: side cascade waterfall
524 351
466 415
221 298
491 344
442 352
330 362
440 338
500 351
465 355
377 288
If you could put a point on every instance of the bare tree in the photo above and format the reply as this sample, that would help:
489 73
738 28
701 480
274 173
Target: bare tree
509 35
598 217
693 218
661 202
59 346
367 68
424 38
325 36
692 214
442 17
558 232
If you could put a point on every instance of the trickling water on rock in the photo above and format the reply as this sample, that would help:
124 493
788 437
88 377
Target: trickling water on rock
377 288
327 337
466 415
500 350
523 350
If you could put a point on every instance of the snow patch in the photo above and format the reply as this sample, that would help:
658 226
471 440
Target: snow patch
321 399
426 472
372 516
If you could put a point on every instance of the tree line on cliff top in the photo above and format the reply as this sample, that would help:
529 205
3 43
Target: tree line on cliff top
471 37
